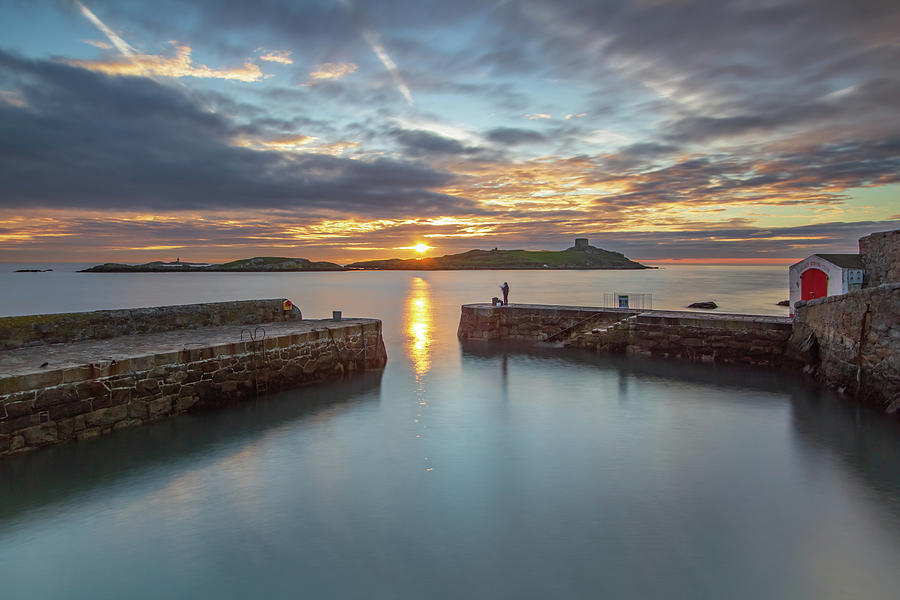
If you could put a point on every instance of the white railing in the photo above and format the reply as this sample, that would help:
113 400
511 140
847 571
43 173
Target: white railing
641 301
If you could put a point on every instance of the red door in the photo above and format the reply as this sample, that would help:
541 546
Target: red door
813 284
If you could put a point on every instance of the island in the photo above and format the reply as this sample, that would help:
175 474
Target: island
580 256
245 265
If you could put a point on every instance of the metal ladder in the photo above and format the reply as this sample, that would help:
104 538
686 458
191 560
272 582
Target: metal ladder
260 360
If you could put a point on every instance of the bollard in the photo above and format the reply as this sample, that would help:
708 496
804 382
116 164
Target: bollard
336 315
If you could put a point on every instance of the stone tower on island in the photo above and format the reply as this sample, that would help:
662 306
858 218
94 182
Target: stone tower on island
581 244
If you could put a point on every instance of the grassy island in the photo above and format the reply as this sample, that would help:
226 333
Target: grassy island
580 256
256 264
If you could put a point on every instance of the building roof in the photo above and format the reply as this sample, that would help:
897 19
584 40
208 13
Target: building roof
844 261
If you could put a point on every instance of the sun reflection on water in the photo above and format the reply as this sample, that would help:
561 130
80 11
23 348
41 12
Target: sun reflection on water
419 327
419 324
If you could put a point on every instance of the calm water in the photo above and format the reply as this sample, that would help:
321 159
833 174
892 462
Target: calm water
463 472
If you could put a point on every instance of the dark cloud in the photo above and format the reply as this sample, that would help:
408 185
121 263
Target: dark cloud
815 175
741 242
513 136
87 140
425 142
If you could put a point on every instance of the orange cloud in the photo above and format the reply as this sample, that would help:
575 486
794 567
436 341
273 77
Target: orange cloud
278 56
331 71
179 65
295 142
13 98
98 44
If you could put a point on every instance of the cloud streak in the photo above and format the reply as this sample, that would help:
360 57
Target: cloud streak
379 50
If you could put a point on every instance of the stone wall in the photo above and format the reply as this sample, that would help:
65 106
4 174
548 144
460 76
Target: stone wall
725 339
530 322
31 330
52 407
712 338
852 343
880 254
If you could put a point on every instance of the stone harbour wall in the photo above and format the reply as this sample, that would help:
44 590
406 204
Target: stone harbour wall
57 406
701 337
531 322
32 330
724 339
852 343
880 254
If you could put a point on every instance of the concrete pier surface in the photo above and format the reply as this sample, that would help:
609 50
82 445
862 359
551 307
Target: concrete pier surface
110 375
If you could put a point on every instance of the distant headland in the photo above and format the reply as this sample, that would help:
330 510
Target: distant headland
256 264
580 256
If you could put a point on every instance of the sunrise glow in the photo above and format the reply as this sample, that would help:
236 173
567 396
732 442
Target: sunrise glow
638 130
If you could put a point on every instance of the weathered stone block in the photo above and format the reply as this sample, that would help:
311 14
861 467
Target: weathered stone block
66 429
177 377
209 366
69 409
147 387
91 389
120 395
137 409
106 416
89 433
54 395
20 404
160 407
40 435
79 373
41 379
185 403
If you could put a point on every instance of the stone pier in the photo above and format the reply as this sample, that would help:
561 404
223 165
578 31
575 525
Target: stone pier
682 335
80 375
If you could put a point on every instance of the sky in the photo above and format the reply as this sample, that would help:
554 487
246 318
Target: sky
670 130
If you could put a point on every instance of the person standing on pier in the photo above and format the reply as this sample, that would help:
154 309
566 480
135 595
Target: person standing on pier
505 289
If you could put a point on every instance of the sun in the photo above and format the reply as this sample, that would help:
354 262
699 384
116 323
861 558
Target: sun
421 248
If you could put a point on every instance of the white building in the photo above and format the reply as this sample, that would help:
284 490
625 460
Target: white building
825 275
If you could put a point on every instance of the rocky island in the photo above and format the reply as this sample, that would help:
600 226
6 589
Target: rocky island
580 256
256 264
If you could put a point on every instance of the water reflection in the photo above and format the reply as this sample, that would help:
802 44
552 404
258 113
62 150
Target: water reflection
419 323
419 326
65 475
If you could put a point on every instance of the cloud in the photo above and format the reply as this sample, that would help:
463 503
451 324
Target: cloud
120 44
278 56
513 136
90 140
574 116
13 98
281 142
538 116
330 72
379 50
98 44
178 65
426 142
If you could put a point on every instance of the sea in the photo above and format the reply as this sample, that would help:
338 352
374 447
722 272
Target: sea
463 470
